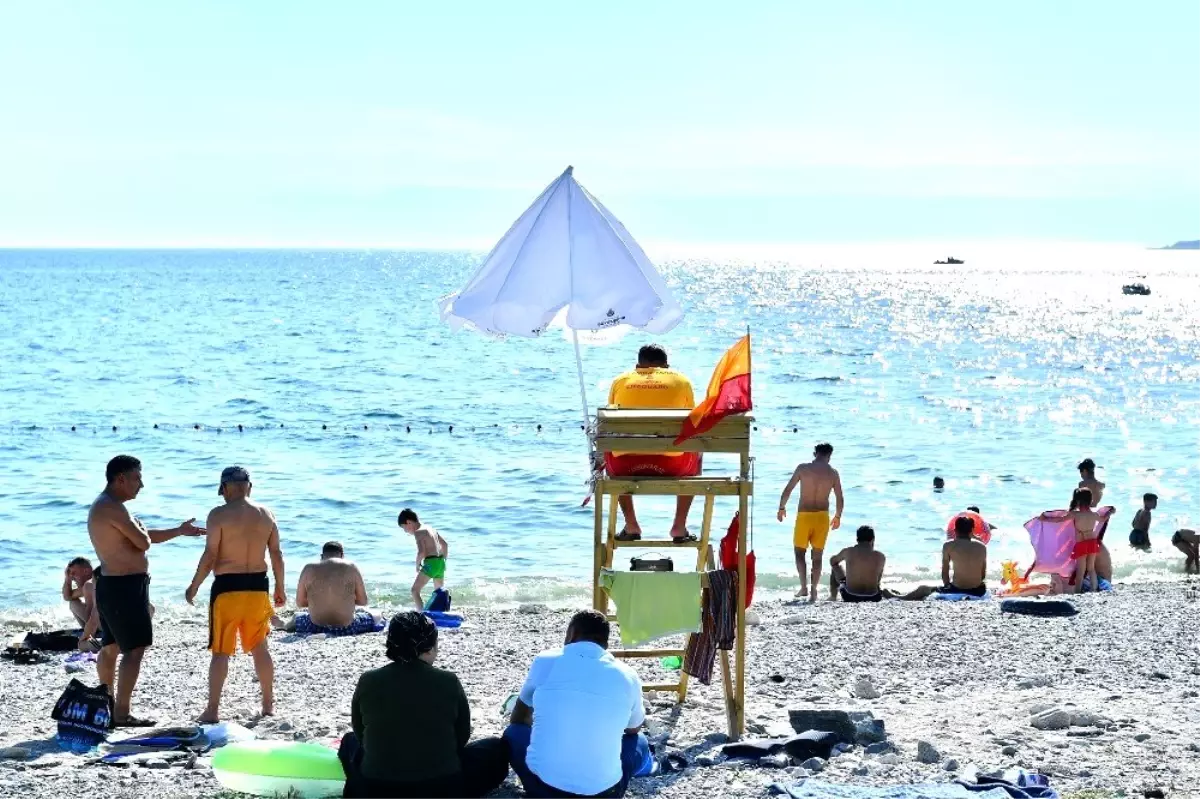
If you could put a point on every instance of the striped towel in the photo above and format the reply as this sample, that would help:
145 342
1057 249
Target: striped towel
719 609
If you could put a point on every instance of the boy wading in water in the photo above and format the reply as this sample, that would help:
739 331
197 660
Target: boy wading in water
817 480
432 550
1139 536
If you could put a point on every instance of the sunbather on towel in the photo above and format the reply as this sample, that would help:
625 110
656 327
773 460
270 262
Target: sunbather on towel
856 571
333 591
964 565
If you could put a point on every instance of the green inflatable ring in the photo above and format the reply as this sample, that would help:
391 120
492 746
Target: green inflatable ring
267 768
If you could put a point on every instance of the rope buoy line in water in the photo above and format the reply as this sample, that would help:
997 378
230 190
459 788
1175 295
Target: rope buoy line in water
407 429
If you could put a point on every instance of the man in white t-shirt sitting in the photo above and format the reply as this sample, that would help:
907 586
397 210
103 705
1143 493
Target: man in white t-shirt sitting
574 729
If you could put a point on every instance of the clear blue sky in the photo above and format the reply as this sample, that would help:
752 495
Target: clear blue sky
436 123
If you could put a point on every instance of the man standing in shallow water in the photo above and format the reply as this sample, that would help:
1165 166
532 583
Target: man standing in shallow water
123 582
240 535
817 480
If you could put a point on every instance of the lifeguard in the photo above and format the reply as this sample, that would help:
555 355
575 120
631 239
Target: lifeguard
653 384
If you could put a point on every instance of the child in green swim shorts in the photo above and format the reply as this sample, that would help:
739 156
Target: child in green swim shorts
432 550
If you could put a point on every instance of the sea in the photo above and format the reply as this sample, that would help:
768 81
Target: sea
330 376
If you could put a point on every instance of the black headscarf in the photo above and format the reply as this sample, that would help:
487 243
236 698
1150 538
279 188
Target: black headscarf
410 635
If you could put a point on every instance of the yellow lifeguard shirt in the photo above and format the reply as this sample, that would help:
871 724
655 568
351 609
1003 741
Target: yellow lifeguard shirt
652 387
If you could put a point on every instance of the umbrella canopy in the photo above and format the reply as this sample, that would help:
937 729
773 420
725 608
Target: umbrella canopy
566 251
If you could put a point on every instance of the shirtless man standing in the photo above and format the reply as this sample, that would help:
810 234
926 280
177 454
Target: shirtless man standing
1087 479
123 581
333 591
964 564
858 580
817 480
432 550
240 535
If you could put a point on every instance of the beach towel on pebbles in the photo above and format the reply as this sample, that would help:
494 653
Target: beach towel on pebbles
815 789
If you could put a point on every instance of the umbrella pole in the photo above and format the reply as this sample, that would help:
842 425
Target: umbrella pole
582 392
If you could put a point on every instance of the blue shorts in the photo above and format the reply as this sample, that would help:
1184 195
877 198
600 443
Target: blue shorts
363 622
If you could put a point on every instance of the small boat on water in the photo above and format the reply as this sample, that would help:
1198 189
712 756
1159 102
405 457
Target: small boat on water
1140 289
948 261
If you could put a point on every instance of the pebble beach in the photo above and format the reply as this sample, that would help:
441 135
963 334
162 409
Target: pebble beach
1104 703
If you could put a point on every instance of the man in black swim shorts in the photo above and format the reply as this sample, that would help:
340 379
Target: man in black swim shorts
855 572
123 582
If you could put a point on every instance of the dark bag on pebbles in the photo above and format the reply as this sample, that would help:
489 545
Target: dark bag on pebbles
84 714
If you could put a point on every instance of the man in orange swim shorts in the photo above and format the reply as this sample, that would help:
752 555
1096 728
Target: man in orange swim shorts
817 480
241 533
653 384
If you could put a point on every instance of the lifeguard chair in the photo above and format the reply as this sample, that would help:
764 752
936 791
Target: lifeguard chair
655 431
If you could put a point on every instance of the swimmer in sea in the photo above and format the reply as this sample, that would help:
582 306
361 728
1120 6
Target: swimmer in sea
817 481
432 550
1087 479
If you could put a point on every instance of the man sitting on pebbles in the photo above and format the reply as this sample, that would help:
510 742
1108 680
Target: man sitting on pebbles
333 591
857 571
79 592
574 729
964 565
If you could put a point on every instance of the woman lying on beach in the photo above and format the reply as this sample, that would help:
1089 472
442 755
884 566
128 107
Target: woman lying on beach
411 723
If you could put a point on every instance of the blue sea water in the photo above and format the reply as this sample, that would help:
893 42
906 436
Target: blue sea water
998 375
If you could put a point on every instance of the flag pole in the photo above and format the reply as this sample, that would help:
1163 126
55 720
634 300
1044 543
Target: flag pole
582 394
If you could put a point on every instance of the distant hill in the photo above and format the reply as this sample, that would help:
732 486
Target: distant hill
1182 245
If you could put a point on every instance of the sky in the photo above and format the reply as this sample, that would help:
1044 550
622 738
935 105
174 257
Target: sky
435 124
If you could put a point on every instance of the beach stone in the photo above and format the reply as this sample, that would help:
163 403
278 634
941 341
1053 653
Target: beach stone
707 761
890 759
1193 747
950 765
928 753
533 609
775 761
16 753
813 764
861 771
156 763
878 748
752 618
1085 718
717 738
1142 736
1041 707
835 721
865 689
284 726
1010 751
1056 719
1090 732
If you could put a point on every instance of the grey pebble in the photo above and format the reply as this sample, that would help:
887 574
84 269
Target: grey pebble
928 753
814 764
1142 736
950 765
1011 751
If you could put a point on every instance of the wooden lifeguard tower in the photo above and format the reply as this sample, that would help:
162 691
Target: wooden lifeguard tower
654 431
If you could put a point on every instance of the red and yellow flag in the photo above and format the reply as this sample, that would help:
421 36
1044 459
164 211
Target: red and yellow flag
728 392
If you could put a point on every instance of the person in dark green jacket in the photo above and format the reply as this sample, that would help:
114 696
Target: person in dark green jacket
412 723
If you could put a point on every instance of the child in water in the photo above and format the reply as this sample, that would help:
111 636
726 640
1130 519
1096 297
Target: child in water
432 550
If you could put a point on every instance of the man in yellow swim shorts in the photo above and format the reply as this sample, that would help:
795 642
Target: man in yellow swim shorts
241 533
817 480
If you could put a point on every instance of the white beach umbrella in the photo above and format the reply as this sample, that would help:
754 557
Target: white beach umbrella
565 255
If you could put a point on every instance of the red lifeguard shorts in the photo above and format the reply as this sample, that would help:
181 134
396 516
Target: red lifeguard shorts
643 465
